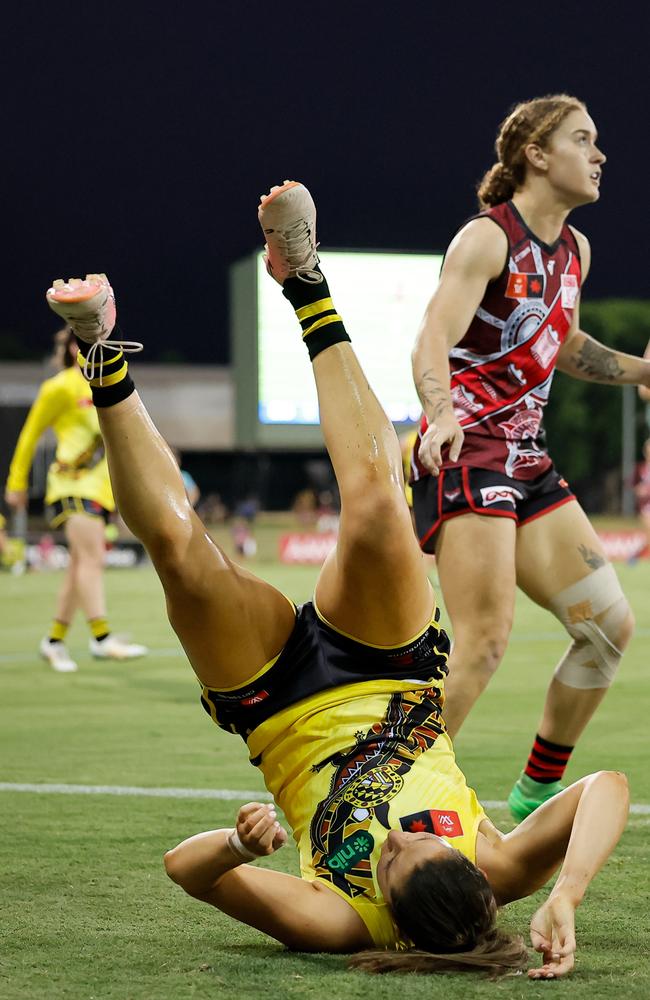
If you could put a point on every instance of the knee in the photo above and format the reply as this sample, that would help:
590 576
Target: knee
373 510
168 544
90 558
172 867
626 628
480 647
600 621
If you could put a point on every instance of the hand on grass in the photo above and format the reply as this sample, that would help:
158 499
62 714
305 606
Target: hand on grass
259 830
552 932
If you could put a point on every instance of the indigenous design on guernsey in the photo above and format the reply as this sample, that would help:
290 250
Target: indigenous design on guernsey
366 778
502 369
351 743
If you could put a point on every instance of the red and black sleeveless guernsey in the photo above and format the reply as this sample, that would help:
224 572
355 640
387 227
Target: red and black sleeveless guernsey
502 369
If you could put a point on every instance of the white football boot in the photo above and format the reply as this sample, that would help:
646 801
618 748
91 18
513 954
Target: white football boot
57 655
88 307
115 648
287 216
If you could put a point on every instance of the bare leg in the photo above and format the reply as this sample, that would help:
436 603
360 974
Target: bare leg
66 601
85 536
229 622
374 585
554 552
473 553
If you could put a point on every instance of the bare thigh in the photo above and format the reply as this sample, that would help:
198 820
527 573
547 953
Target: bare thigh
230 622
555 551
374 586
476 565
85 537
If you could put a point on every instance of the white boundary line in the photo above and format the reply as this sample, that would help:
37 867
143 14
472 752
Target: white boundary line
637 808
158 793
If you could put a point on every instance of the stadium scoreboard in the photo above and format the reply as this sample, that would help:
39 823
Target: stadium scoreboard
381 297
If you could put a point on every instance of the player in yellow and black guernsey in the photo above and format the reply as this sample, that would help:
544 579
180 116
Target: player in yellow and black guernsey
80 500
340 700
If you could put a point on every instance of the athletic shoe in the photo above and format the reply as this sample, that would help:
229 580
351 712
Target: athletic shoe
528 795
57 656
114 648
288 218
88 307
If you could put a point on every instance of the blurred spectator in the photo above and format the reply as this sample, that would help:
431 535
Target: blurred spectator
305 507
212 509
243 538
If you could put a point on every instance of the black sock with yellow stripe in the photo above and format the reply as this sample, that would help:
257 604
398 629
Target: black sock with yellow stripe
114 383
320 322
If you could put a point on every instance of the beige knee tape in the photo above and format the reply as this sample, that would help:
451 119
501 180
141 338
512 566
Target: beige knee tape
593 612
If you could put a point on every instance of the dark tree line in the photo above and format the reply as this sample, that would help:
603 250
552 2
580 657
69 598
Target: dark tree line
583 419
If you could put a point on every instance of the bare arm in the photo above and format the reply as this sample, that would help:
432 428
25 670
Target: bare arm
584 358
579 829
475 257
587 359
305 916
51 401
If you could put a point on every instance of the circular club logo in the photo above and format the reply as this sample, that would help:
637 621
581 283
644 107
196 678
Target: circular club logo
379 785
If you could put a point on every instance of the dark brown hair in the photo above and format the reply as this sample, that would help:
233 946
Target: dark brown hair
448 910
530 121
61 356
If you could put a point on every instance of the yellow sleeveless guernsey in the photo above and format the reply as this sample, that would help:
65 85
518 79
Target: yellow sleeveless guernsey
351 763
64 403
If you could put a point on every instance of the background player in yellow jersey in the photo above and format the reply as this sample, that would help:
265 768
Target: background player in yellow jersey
80 496
339 700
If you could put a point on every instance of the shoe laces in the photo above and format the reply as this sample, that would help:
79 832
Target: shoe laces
95 355
298 245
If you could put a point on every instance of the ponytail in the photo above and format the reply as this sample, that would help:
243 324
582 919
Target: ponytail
529 122
496 954
498 185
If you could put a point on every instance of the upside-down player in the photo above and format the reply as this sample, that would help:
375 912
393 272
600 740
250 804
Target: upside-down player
339 700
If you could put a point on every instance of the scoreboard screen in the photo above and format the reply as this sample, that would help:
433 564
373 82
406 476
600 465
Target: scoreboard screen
381 297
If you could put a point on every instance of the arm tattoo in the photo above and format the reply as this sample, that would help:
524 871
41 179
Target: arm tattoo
592 558
434 396
597 362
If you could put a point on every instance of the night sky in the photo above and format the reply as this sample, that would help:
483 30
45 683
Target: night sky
137 140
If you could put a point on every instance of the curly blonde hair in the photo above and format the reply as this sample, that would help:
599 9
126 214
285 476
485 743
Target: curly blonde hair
530 121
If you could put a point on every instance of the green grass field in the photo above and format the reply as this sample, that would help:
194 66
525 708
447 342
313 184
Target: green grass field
86 910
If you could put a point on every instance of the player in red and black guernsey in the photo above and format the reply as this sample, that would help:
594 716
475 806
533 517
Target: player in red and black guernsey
486 496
